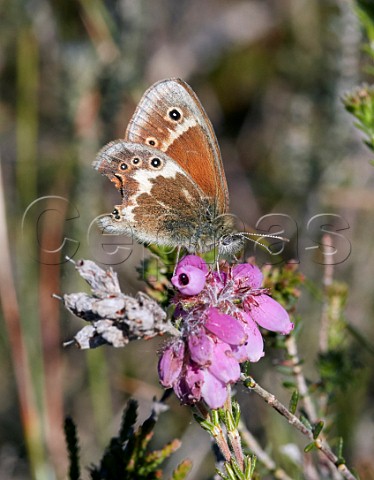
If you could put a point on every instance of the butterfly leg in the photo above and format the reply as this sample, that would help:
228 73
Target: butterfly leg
179 248
217 267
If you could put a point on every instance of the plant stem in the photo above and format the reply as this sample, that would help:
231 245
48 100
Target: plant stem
261 455
321 445
234 436
29 414
216 431
300 379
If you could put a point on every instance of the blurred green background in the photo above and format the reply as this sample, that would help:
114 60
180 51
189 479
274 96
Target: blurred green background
271 74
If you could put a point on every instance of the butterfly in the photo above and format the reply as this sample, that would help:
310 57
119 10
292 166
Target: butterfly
169 172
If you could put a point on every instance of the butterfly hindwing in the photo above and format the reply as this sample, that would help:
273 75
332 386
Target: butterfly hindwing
161 203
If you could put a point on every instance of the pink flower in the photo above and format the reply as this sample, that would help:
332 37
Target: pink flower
268 313
213 390
218 329
253 349
194 261
201 347
189 385
189 276
224 366
248 275
224 327
206 348
171 363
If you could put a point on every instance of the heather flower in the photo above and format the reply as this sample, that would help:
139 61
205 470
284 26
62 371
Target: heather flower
189 276
171 363
268 313
249 275
253 349
220 314
225 327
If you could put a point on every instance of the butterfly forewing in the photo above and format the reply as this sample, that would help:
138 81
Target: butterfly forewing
170 118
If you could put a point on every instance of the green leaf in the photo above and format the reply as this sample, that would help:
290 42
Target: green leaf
155 458
288 384
205 424
229 421
238 471
216 415
253 464
317 429
294 401
311 446
236 413
182 470
341 459
367 6
127 457
222 475
230 471
306 422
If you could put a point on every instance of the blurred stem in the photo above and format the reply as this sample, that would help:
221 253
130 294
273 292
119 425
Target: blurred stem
100 392
327 281
49 313
26 393
27 115
318 443
297 371
306 399
99 27
328 276
262 456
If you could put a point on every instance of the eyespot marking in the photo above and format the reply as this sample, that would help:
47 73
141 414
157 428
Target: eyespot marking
156 163
152 141
175 114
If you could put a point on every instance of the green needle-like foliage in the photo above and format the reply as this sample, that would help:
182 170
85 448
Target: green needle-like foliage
73 448
182 470
127 456
360 103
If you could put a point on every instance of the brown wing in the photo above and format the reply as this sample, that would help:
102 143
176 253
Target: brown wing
161 203
170 117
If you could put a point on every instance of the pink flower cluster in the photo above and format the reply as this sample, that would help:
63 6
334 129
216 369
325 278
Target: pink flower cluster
219 317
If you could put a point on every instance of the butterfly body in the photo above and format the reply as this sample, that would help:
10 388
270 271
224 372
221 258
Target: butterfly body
169 172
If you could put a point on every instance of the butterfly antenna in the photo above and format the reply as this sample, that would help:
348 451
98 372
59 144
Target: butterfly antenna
248 235
262 235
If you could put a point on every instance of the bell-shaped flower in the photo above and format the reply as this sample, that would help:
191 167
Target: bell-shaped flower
194 261
200 346
224 366
189 279
188 388
213 390
268 313
247 275
171 363
219 314
253 349
225 327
